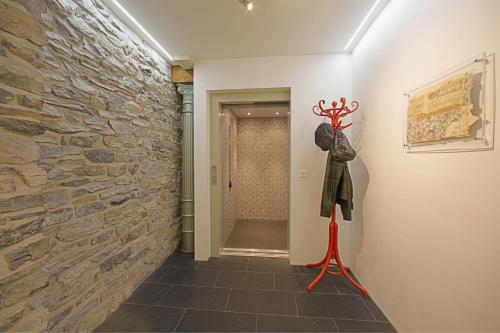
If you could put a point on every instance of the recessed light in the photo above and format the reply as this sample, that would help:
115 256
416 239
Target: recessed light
143 30
277 113
249 113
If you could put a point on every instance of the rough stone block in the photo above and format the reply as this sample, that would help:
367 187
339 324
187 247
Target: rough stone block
79 24
95 187
30 102
121 127
22 125
113 141
30 249
58 151
98 124
90 208
119 200
16 73
66 92
33 175
10 315
49 199
17 21
58 216
83 86
115 260
98 103
100 156
76 182
35 321
90 170
22 48
68 105
85 141
7 186
116 170
132 169
6 96
117 191
22 229
79 229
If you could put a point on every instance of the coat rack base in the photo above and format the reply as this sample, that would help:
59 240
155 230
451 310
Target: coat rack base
333 253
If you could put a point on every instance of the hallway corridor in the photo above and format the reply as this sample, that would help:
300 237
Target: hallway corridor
239 294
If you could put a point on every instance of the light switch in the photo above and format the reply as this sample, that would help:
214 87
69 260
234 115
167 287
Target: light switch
303 173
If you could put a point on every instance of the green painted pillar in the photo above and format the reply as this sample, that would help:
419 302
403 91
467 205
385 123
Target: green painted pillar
187 168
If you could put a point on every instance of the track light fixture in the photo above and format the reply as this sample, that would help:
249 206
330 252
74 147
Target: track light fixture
248 4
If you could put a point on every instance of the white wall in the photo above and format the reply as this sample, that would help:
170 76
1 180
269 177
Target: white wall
310 78
426 244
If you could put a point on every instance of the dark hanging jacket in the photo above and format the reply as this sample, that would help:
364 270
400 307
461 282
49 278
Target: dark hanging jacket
337 186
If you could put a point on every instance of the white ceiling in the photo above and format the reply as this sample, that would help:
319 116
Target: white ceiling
224 29
267 110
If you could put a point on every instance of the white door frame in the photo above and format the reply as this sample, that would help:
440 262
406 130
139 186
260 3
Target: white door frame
216 99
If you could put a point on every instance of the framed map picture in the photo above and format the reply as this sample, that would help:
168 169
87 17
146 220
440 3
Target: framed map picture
454 111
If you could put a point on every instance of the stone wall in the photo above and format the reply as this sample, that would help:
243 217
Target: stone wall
90 143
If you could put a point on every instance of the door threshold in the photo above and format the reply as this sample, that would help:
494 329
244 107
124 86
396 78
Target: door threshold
266 253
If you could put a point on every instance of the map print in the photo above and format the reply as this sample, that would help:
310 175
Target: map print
441 111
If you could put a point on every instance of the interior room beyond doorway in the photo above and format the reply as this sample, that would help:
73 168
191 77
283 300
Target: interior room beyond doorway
255 164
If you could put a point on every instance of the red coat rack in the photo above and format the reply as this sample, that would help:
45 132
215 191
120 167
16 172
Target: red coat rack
335 114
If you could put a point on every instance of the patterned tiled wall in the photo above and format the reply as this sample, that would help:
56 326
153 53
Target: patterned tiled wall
263 153
229 170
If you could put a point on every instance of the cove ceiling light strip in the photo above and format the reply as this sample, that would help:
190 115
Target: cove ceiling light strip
169 57
356 36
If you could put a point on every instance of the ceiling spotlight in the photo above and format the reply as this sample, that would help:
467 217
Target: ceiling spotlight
249 113
248 4
277 113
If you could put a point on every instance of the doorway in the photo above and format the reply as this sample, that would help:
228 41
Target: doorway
255 164
250 163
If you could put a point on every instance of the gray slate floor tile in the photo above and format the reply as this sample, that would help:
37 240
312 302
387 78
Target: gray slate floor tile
344 286
273 323
216 321
332 306
246 280
316 270
271 265
186 276
141 318
156 275
258 234
225 263
148 293
374 309
299 283
183 296
261 301
180 260
363 326
196 297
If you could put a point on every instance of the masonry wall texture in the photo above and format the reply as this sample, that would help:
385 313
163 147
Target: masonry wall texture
90 139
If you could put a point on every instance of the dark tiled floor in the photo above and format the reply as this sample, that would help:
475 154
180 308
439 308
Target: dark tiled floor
237 294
